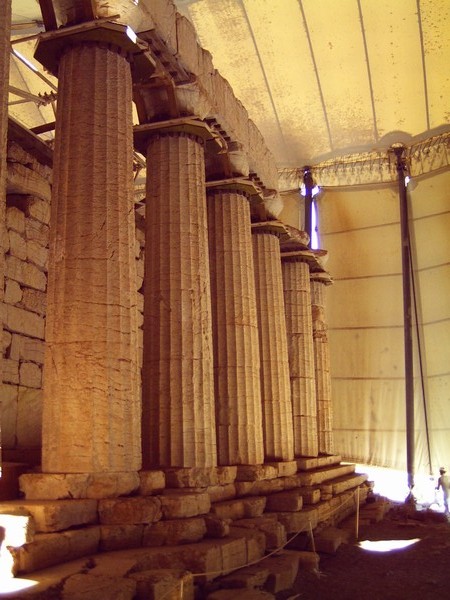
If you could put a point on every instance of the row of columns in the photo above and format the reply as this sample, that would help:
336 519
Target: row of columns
228 370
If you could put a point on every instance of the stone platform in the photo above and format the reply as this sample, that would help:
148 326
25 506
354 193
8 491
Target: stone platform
200 528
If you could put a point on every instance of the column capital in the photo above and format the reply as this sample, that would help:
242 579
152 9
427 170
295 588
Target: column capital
276 228
307 256
187 125
322 277
238 185
52 44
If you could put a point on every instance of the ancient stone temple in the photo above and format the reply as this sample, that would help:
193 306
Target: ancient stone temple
176 414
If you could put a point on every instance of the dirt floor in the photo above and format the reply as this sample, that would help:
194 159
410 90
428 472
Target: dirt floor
418 572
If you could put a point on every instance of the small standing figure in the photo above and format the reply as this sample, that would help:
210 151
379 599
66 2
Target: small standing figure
444 483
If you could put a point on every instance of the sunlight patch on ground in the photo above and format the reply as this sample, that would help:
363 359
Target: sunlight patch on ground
387 545
11 584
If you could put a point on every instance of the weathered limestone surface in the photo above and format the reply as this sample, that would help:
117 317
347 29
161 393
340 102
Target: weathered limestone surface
182 505
275 384
235 323
50 516
133 510
178 423
91 418
170 584
297 296
322 367
174 531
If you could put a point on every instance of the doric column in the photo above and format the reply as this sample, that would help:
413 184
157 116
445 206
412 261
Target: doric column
319 281
5 29
235 326
275 385
178 385
91 415
297 298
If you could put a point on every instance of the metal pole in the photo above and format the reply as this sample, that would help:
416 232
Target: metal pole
407 314
309 184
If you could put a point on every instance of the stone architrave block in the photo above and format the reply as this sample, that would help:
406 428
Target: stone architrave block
50 516
29 417
30 375
285 501
18 525
175 531
25 273
15 219
170 584
120 537
112 485
17 245
48 549
10 371
86 586
13 292
28 349
182 505
151 482
21 321
34 300
129 511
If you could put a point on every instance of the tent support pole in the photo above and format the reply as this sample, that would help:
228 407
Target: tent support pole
309 184
407 313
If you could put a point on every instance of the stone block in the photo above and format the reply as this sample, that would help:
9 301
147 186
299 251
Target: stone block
13 292
252 506
21 321
247 577
27 349
58 486
226 475
25 273
37 254
308 561
39 210
15 219
17 245
170 584
151 482
85 586
216 527
329 539
255 542
273 530
34 301
191 477
295 522
30 375
50 516
182 505
10 371
284 469
243 595
37 232
120 537
17 525
259 488
175 531
48 549
218 493
24 181
6 342
285 501
255 472
283 570
8 407
134 510
323 474
306 463
29 417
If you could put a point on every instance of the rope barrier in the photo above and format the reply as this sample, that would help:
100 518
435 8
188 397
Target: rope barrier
258 560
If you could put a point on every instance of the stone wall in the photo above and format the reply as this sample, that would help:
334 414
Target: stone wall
24 309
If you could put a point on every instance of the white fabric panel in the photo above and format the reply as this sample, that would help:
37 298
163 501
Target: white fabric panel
360 229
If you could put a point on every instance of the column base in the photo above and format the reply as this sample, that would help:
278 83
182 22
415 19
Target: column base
60 486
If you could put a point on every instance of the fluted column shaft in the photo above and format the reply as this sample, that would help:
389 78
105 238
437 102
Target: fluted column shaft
5 30
322 368
297 298
275 385
178 385
235 325
91 416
